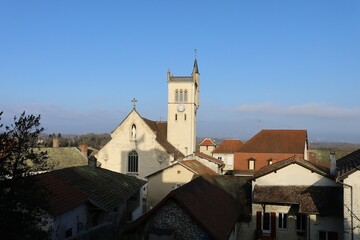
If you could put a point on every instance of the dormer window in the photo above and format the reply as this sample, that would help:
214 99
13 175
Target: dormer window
251 164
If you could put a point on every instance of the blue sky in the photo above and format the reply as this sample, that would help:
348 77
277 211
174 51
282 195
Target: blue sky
263 64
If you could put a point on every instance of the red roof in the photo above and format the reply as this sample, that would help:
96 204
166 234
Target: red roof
207 142
277 141
209 158
197 167
229 146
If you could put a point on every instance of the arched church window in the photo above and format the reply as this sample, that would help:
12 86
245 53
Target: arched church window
133 162
133 132
185 95
175 116
176 95
181 95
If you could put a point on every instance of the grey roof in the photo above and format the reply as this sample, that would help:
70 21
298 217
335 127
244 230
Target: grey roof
196 68
348 164
104 188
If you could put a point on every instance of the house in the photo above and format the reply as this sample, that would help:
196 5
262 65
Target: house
209 161
197 210
268 147
140 146
206 146
165 180
225 152
88 200
295 199
348 175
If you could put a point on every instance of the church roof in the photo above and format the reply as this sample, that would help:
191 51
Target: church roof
196 68
160 128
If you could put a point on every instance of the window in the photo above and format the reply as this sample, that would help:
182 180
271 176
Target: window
133 132
327 235
185 117
178 172
133 162
181 95
68 233
266 222
220 158
207 147
301 221
175 117
176 95
270 162
185 95
251 164
282 221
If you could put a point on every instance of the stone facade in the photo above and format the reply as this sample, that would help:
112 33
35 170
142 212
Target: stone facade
352 201
172 216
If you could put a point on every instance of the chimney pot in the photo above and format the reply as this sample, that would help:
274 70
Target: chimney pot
333 163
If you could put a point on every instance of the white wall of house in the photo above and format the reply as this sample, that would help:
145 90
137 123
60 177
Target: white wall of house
294 175
213 166
114 155
325 224
354 181
207 149
227 158
160 184
69 221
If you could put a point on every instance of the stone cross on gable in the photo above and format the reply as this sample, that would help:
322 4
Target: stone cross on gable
134 101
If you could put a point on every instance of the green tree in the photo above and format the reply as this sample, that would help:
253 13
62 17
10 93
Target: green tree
23 202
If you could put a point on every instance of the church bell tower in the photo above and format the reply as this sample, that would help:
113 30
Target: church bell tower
183 103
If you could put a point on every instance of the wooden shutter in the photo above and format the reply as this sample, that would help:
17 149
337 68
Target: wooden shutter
258 221
273 225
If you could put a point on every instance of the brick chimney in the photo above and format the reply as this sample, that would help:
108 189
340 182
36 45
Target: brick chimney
84 150
56 142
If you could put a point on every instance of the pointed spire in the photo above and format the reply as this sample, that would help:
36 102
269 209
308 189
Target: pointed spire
195 69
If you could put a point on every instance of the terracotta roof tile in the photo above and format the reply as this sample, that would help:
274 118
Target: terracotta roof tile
229 146
311 199
207 142
197 167
277 141
209 158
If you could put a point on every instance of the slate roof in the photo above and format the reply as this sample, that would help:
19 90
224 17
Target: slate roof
229 146
277 141
207 142
311 199
209 158
293 160
161 136
348 164
204 203
104 188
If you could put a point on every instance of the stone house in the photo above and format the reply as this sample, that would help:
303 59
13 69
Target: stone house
290 200
225 152
165 180
87 199
268 147
348 175
190 212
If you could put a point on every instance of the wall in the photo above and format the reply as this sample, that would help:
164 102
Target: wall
227 158
160 184
114 156
354 181
294 175
207 149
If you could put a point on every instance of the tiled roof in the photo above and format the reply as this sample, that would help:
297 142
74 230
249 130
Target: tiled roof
229 146
238 187
311 199
209 158
161 136
62 197
202 201
277 141
348 164
207 142
104 188
293 160
197 167
63 157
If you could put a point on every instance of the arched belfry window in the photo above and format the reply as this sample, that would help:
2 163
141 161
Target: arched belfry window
181 95
133 162
133 132
185 96
176 95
